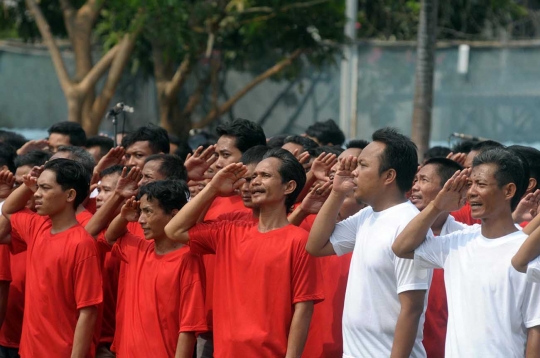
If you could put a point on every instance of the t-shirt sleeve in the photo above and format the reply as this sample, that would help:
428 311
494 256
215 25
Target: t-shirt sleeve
530 309
409 276
87 276
27 224
306 275
433 251
192 292
5 263
533 271
204 237
343 238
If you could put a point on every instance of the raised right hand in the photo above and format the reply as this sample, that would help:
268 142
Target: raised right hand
228 179
452 195
343 179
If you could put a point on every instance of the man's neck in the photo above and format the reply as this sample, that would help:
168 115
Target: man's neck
80 209
272 217
63 221
498 226
439 223
256 212
387 200
164 245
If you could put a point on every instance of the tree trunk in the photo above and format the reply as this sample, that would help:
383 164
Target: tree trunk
425 68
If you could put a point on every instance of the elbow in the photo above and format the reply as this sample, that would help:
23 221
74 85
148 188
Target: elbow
398 251
176 235
312 250
518 265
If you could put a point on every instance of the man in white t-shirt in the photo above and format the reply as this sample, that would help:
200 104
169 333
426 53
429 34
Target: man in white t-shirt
384 302
493 310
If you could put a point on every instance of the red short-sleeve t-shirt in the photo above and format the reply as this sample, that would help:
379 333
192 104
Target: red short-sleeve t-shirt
166 297
258 279
5 268
464 216
62 276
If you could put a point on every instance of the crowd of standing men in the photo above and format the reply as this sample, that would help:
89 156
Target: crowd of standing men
248 246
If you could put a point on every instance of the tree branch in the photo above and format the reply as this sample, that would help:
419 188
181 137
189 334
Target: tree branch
56 57
92 9
98 69
179 77
238 95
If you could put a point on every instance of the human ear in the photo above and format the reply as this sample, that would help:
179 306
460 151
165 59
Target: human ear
290 187
390 176
509 190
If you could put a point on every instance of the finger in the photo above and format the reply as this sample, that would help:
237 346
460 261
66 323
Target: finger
124 172
211 160
450 155
208 152
188 156
295 153
198 151
237 184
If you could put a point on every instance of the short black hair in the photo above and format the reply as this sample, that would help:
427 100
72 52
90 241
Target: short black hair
14 139
464 146
247 134
327 132
33 158
7 156
183 150
290 169
532 157
104 143
80 155
481 147
77 136
115 169
157 137
71 174
357 143
445 168
399 154
174 139
437 152
171 167
334 149
510 169
305 142
277 141
254 154
170 194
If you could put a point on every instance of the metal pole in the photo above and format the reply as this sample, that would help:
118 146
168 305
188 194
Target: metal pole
347 67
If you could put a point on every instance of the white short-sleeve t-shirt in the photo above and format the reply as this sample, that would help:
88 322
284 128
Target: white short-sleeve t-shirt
490 304
376 277
533 271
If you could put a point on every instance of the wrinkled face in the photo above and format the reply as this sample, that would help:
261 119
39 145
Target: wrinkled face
106 189
366 176
137 153
484 194
427 184
245 190
49 198
56 140
96 153
153 219
150 172
227 152
292 147
266 184
469 159
19 173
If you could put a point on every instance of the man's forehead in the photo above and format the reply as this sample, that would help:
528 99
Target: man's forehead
226 141
351 151
143 144
372 151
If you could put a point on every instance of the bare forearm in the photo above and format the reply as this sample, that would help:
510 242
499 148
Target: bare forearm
319 237
4 292
188 216
117 228
299 329
185 345
104 215
17 200
533 343
412 306
84 332
532 225
310 180
415 232
5 230
529 250
297 216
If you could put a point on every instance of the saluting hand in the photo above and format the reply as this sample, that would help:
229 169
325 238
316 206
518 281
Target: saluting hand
343 179
127 186
229 179
452 195
316 197
197 164
6 183
130 210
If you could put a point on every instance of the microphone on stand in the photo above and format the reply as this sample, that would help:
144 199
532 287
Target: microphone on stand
115 111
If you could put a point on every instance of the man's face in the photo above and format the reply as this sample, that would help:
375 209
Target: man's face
266 183
153 219
227 152
49 198
426 186
137 153
469 159
245 190
151 173
106 189
96 153
484 194
368 181
56 140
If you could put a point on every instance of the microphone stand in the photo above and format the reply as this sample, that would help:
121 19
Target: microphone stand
112 114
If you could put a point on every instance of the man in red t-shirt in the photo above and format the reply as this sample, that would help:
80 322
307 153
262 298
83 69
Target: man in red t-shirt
163 281
266 283
63 277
